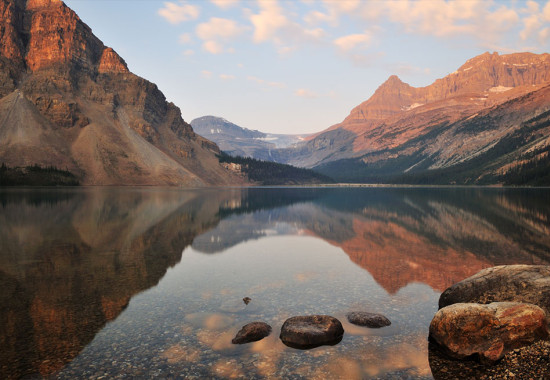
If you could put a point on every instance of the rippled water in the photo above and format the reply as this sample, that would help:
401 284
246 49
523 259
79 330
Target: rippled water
108 282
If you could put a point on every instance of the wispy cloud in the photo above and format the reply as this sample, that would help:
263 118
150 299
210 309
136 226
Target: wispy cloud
176 13
352 41
225 4
305 93
265 82
227 77
268 21
206 74
218 30
185 38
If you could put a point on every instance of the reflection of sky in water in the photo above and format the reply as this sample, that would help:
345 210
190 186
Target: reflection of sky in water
95 283
185 325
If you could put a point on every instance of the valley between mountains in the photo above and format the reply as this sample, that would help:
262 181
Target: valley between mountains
69 102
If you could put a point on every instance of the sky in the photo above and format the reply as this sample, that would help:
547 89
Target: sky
300 66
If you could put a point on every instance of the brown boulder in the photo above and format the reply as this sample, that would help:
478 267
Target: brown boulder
514 283
371 320
311 331
252 332
488 331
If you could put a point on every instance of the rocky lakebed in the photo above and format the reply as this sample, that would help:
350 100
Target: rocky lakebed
493 325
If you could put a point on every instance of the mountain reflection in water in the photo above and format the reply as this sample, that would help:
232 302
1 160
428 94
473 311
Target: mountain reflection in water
71 260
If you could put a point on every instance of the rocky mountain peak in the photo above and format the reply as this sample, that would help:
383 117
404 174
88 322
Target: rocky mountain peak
483 75
111 62
34 4
67 106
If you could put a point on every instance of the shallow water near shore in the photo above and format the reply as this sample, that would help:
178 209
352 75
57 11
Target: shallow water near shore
149 282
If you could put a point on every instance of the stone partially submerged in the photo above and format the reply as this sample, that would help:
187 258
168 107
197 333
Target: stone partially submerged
252 332
311 331
514 283
371 320
488 331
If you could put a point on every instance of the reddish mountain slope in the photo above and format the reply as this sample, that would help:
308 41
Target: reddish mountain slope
398 114
69 101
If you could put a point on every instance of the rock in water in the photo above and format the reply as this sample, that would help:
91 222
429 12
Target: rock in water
490 331
247 300
252 332
372 320
311 331
514 283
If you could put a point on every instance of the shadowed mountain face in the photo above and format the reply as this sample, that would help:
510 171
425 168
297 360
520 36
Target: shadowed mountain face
474 124
69 101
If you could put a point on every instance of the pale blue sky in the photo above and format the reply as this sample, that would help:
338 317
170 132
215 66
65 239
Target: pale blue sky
301 66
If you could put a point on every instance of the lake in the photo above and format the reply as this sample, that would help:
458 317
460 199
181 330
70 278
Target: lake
149 282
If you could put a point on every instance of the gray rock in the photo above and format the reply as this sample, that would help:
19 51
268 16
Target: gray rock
252 332
488 331
514 283
372 320
311 331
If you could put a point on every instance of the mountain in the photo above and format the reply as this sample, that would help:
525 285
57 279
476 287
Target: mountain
239 141
68 101
472 126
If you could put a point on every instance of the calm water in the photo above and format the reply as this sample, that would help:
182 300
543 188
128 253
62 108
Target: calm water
149 282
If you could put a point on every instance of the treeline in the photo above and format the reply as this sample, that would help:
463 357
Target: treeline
535 172
270 173
36 175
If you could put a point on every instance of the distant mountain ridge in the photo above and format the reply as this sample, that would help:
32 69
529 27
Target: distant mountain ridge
68 101
402 132
240 141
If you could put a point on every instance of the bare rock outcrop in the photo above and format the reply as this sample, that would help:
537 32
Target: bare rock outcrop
513 283
488 331
75 99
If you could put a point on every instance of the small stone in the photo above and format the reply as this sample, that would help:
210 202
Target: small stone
311 331
247 300
252 332
371 320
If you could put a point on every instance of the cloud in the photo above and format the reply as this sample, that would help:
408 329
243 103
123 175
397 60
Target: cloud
272 24
266 83
305 93
227 77
185 38
176 13
225 4
534 21
268 21
189 52
352 41
206 74
546 11
218 30
212 47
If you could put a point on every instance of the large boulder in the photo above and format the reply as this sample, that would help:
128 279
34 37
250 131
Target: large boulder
514 283
311 331
489 331
252 332
372 320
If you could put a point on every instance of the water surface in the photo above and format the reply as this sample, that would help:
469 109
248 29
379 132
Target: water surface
149 282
